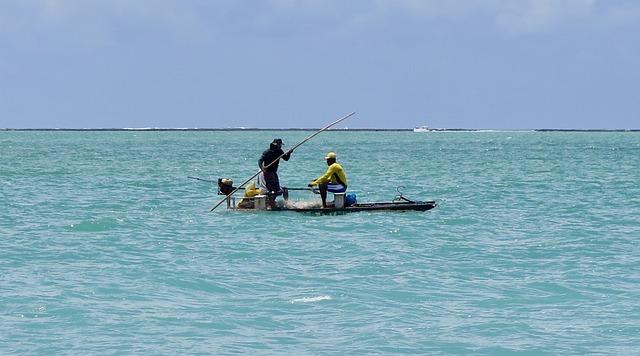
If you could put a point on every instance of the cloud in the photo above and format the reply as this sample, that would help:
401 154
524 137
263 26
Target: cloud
101 21
507 15
537 15
94 23
510 16
622 14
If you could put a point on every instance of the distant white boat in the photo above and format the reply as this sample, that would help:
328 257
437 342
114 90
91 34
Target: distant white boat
421 129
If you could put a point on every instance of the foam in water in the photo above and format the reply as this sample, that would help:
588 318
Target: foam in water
302 204
311 299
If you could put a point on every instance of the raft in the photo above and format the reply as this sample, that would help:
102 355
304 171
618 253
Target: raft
254 201
378 206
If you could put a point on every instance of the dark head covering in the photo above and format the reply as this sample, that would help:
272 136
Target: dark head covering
277 142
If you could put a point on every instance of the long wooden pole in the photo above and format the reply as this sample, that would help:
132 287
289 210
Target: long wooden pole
276 160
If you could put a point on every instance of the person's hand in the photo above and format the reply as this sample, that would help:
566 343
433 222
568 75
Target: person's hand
290 151
310 185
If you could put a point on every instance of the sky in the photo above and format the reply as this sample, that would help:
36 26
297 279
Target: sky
500 64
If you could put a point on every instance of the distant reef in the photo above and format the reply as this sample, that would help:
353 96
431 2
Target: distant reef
201 129
316 129
587 130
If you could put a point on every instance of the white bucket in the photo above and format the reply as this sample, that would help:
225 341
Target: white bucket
260 202
338 200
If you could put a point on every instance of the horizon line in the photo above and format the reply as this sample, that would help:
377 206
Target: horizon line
316 129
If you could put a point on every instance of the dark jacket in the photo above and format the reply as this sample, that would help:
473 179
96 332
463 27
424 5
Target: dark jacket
269 156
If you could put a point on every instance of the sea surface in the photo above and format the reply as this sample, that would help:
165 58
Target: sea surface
107 247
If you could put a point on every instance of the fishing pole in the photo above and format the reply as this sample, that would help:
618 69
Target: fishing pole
202 179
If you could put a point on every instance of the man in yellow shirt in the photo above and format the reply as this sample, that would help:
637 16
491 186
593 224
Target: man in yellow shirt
333 180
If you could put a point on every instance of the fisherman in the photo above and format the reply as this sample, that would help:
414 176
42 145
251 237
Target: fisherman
268 179
333 180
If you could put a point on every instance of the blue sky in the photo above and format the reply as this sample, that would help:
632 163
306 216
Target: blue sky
508 64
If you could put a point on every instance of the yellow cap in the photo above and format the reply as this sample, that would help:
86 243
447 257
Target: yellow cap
330 155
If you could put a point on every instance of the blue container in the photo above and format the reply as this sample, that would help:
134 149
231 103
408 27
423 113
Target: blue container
350 199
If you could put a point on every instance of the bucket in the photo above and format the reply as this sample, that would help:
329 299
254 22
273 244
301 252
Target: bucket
260 202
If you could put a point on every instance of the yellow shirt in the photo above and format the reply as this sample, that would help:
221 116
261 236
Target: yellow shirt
332 174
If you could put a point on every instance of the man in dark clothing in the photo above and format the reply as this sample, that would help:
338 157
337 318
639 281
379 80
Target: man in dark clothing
270 174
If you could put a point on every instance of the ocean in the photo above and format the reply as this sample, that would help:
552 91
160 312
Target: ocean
107 247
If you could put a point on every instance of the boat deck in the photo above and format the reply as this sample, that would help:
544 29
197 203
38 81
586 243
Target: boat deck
386 206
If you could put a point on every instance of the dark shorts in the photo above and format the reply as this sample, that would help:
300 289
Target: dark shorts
272 182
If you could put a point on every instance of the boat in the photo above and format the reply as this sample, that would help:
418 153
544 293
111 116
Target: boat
342 203
421 129
377 206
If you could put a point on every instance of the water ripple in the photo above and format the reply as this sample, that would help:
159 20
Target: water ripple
107 247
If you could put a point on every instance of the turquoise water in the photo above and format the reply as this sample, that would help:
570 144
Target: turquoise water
107 247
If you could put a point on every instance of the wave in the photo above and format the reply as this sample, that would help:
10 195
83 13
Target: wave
311 299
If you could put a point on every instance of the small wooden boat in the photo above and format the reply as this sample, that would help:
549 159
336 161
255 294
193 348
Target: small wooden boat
378 206
258 203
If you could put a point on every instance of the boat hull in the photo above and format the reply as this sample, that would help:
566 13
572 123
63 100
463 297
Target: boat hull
387 206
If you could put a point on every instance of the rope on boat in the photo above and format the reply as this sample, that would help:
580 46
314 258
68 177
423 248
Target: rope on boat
400 196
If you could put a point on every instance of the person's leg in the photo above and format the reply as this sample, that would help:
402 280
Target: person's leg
273 186
331 188
271 199
285 193
323 194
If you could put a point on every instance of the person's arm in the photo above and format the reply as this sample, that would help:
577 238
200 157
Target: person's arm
287 155
325 178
